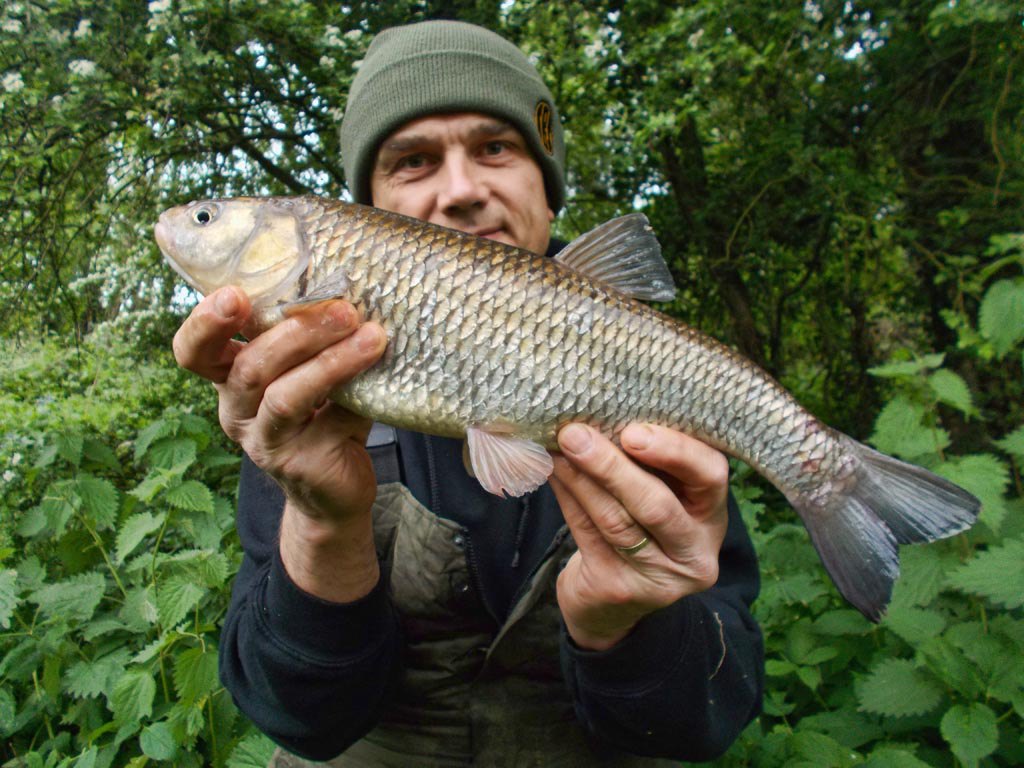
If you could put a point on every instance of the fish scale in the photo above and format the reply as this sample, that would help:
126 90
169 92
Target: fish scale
506 347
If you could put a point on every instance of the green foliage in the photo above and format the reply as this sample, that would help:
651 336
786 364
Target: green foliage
943 667
838 189
119 571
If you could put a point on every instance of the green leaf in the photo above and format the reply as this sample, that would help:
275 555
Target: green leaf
195 673
893 757
100 453
847 726
99 500
1001 316
254 751
72 599
139 610
132 697
157 741
1013 443
172 452
175 598
842 621
971 731
134 530
896 688
952 390
191 495
900 431
907 368
8 710
923 574
915 625
8 596
984 475
150 433
88 679
69 446
996 574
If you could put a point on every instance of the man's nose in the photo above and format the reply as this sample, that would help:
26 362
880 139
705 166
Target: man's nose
463 187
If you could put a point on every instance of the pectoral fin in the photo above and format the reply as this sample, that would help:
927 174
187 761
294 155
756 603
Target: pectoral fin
506 464
625 254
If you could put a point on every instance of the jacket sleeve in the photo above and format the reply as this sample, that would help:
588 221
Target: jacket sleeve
311 674
689 677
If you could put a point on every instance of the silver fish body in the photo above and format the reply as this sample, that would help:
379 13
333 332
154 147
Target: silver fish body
494 342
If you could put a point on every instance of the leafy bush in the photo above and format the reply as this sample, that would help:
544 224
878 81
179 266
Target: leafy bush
116 574
939 682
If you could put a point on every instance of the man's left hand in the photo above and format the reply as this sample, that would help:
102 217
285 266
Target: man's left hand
677 500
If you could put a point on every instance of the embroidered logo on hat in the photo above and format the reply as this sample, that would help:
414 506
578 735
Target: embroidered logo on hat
542 119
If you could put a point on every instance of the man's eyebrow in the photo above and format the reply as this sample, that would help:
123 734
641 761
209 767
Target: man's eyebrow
401 144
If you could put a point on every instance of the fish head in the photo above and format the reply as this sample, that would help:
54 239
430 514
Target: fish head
254 243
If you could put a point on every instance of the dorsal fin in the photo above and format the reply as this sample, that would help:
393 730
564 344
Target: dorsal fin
625 254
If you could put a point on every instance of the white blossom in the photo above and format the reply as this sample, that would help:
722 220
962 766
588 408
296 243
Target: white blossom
327 62
12 82
694 40
83 29
8 476
82 67
332 36
15 459
159 6
353 35
12 25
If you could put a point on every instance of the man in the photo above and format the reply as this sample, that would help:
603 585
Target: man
416 619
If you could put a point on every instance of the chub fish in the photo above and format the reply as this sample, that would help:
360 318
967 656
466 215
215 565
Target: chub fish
504 347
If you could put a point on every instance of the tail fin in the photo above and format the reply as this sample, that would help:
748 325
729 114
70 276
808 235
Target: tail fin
889 502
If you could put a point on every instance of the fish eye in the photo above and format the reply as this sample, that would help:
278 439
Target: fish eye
204 215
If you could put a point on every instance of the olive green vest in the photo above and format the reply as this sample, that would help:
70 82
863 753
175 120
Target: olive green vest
468 696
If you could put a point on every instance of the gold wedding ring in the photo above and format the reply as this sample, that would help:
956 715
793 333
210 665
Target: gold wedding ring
636 547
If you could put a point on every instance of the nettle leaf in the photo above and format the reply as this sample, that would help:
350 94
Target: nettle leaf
157 741
99 500
139 610
98 452
900 431
915 625
923 574
893 757
996 574
191 495
172 452
847 726
254 751
195 673
132 697
175 598
907 368
148 434
69 447
842 621
72 599
134 530
8 596
89 679
156 481
204 566
1001 315
984 475
952 667
951 389
1013 443
971 731
897 688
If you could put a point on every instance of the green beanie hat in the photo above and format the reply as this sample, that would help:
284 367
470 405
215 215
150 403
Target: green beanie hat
437 67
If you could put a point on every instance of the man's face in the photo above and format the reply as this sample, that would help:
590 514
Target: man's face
465 171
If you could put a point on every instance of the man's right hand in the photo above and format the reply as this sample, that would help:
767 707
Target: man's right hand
274 402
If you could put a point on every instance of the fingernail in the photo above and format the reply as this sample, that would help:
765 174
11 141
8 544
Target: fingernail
227 304
637 436
340 315
575 438
368 338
